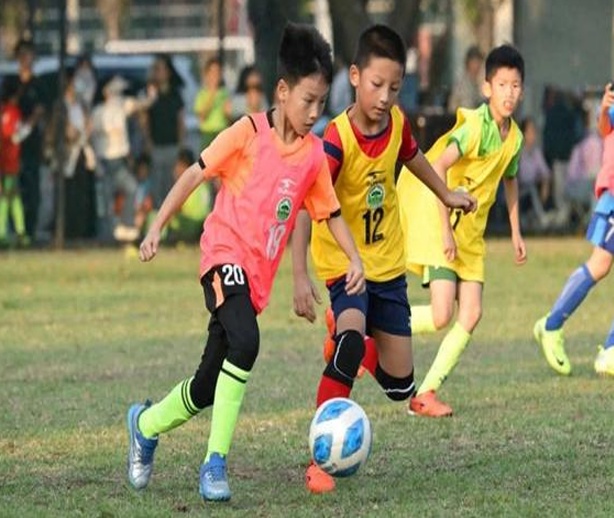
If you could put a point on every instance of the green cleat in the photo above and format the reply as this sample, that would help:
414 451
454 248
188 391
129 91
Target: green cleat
553 346
604 363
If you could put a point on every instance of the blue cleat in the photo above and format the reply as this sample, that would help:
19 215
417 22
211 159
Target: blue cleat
214 480
141 453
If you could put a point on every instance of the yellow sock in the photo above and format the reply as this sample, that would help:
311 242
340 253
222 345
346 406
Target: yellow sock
422 320
447 357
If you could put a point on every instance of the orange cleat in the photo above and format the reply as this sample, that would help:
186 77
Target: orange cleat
318 481
329 340
427 405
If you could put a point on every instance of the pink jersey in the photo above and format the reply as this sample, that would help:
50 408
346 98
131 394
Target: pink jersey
605 178
263 185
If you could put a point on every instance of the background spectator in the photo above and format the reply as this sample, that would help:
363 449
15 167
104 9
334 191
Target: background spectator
534 177
85 82
32 109
212 104
164 126
584 165
249 95
467 90
112 144
12 133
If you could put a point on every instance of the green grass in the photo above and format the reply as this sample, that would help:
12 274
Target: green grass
83 334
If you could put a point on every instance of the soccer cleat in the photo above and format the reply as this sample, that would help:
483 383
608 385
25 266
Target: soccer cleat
427 405
329 340
318 481
213 485
553 347
604 363
141 453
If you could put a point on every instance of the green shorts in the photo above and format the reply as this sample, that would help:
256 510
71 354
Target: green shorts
438 273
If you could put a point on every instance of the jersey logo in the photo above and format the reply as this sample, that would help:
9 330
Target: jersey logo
375 196
283 210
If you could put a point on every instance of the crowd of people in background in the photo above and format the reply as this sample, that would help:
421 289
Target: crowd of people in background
123 150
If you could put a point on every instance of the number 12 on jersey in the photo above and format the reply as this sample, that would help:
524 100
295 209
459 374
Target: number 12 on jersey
373 219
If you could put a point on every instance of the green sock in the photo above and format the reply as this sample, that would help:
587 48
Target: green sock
229 392
17 213
4 216
422 320
447 357
174 410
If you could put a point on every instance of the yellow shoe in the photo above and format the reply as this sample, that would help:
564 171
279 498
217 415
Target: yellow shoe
318 481
604 363
553 347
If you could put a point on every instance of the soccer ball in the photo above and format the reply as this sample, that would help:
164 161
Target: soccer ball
340 437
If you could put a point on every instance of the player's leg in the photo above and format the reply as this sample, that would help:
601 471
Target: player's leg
4 211
548 330
238 318
16 209
450 350
146 421
388 320
338 377
439 313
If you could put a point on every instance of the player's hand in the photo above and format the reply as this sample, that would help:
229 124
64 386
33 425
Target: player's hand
305 292
449 244
520 250
149 245
355 278
461 199
608 97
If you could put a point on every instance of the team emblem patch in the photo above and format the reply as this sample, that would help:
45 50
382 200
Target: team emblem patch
375 196
283 209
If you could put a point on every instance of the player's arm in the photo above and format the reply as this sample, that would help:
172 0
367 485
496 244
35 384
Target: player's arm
355 277
511 199
182 188
603 123
305 291
423 170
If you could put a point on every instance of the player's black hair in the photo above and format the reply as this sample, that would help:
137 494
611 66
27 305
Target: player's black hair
303 52
382 42
504 56
24 44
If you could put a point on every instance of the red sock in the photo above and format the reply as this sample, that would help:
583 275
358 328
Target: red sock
330 388
369 360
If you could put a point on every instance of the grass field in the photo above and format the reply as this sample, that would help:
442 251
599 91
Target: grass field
85 333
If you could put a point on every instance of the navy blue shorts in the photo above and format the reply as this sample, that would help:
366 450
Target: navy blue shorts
384 304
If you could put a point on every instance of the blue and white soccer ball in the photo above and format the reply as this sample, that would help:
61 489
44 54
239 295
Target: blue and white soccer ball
340 437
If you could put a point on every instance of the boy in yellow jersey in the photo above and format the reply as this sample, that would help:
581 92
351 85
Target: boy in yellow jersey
482 148
363 145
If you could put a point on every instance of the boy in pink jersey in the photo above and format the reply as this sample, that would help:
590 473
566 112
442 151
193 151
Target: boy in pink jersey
269 166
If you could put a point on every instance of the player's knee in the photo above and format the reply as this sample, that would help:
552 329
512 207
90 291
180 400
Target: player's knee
397 389
349 352
243 348
442 317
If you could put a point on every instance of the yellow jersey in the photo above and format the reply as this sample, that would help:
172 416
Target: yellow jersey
365 187
478 171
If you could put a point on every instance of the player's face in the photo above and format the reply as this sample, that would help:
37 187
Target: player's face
377 86
504 90
303 102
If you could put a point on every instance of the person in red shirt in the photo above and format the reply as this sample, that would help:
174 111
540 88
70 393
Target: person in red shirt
269 165
12 133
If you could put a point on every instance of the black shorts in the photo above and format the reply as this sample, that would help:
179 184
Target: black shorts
221 282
